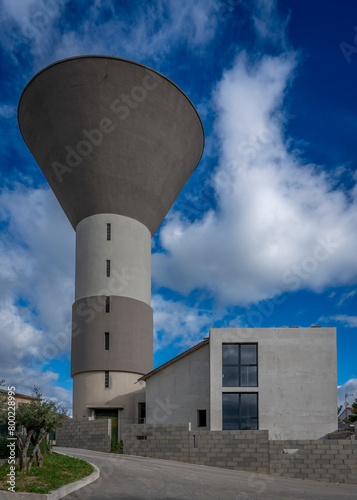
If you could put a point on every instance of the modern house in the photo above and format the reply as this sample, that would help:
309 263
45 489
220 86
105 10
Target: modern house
283 380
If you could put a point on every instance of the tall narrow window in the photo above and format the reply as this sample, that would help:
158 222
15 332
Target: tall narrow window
141 413
240 365
106 380
239 411
107 304
106 341
108 268
109 231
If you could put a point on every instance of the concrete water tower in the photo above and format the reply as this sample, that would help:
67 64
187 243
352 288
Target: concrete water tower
117 142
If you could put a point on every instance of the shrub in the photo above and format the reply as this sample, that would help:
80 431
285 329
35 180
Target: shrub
116 446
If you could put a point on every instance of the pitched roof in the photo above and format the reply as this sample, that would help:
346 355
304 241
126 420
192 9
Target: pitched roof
174 360
19 395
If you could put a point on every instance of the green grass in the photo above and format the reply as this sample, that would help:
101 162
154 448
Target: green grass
57 471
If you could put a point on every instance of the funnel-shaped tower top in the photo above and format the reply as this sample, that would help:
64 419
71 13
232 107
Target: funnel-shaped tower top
111 136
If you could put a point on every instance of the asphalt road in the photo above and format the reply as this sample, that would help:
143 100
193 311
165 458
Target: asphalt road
138 478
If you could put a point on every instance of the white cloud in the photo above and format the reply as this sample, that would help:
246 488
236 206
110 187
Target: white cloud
348 321
346 296
151 30
281 225
268 24
7 111
155 30
36 288
178 324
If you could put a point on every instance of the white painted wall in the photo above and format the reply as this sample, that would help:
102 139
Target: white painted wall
297 379
129 251
174 394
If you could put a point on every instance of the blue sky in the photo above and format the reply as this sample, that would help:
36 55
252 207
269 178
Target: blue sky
265 231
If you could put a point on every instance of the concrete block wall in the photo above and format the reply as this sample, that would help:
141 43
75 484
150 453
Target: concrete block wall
323 460
87 434
240 450
170 441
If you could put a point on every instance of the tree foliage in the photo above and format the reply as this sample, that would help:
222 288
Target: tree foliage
353 416
34 421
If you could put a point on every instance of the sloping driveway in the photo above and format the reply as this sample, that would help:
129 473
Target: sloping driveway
138 478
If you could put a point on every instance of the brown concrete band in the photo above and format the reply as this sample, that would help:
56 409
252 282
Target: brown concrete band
130 327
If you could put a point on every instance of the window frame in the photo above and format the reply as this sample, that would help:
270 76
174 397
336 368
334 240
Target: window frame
239 365
141 406
240 417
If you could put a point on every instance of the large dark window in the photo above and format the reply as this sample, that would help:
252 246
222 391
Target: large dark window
239 363
239 411
106 380
106 341
109 231
107 304
108 268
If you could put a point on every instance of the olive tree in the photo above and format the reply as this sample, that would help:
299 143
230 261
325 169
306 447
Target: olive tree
34 421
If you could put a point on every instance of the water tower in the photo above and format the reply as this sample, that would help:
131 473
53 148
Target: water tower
117 142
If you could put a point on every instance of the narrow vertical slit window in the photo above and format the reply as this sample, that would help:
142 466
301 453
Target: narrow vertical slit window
141 413
109 231
201 418
106 380
108 268
107 304
106 341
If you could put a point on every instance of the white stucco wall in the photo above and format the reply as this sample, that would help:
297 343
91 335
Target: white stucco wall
129 251
174 394
297 379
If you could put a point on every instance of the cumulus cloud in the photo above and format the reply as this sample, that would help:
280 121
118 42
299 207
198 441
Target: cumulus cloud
177 324
36 288
281 224
152 29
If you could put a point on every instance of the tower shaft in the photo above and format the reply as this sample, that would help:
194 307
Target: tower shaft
112 338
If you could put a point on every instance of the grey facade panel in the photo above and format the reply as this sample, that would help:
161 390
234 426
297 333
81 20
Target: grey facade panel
130 324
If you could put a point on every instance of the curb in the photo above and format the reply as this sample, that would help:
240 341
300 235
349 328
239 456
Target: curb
56 494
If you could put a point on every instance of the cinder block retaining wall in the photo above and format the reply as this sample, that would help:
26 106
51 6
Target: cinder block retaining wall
324 460
88 434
